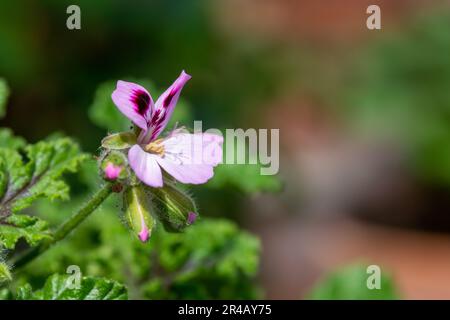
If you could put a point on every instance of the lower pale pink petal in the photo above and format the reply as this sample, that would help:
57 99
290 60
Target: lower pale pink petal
187 173
134 102
212 148
145 166
190 158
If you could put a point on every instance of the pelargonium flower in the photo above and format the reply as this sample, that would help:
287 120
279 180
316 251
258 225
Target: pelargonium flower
189 158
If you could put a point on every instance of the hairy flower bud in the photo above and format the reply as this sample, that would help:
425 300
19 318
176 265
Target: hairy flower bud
176 209
137 211
112 171
113 166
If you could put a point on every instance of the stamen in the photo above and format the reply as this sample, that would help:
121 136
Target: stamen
155 147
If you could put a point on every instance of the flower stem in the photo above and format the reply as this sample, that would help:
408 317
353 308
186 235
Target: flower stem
67 226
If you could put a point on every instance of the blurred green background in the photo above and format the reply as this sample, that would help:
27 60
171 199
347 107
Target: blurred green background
364 119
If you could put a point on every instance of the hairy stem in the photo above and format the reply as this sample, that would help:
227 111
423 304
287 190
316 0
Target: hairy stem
67 226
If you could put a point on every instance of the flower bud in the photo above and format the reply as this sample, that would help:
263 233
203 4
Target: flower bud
112 171
176 209
113 166
137 211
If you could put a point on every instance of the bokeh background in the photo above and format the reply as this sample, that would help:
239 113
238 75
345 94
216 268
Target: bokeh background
364 118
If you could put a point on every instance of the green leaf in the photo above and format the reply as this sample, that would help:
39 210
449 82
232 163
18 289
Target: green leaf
62 287
5 274
8 140
4 94
25 292
24 181
213 259
16 226
350 283
5 294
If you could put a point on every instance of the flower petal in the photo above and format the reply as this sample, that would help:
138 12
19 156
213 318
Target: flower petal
145 166
165 105
212 144
190 158
134 102
187 173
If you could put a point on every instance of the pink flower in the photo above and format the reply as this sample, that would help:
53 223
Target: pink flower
189 158
112 171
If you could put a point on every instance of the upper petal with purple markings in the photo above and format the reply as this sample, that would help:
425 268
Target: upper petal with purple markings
164 106
134 102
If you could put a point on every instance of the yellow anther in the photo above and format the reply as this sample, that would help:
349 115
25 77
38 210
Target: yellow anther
155 147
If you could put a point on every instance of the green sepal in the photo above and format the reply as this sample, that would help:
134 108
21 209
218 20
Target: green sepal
119 141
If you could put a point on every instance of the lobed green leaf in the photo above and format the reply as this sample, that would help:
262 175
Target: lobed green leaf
8 140
30 173
5 274
39 176
63 287
15 227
